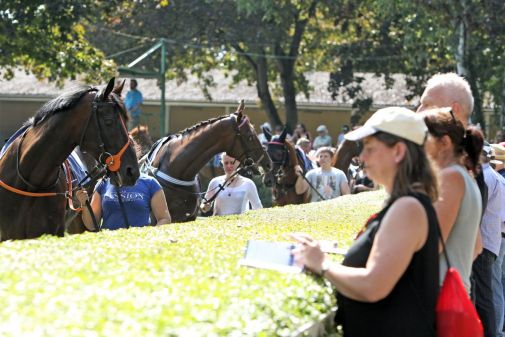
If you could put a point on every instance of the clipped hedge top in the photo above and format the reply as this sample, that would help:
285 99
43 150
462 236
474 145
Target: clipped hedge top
173 280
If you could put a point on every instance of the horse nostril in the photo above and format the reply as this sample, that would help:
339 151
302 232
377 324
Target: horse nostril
130 171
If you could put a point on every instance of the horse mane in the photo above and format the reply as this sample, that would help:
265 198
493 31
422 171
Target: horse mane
63 102
201 124
293 157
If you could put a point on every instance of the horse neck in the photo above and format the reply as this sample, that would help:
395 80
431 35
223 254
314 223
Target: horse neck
191 151
47 145
345 153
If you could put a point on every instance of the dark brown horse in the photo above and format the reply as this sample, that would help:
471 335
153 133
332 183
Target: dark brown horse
284 157
181 156
34 189
345 152
283 177
142 138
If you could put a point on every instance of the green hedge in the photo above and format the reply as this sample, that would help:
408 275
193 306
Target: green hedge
174 280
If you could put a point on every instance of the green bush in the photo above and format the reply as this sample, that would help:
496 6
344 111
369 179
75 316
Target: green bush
173 280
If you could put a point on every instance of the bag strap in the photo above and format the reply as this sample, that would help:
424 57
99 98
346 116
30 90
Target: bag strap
444 250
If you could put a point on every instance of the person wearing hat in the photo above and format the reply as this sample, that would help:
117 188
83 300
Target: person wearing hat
341 135
459 208
388 282
323 138
491 229
497 154
499 157
261 136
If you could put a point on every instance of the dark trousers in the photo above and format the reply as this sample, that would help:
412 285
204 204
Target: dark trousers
482 291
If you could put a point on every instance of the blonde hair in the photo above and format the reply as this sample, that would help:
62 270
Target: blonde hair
455 88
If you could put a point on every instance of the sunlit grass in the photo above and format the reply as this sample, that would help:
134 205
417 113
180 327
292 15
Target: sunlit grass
174 280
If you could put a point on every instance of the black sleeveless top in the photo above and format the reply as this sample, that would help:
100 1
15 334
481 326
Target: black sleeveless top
409 310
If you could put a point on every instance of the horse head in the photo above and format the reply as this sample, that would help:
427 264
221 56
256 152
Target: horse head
246 146
283 156
105 136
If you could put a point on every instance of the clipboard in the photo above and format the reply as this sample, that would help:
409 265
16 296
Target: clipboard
270 255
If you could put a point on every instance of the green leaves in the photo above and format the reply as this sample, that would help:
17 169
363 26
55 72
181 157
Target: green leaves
47 38
174 280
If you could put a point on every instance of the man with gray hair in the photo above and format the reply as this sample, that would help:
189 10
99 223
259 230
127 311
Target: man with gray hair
448 90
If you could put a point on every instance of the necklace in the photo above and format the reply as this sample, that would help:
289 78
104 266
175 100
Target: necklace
229 186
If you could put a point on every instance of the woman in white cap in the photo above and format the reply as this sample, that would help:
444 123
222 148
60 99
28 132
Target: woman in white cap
323 138
388 282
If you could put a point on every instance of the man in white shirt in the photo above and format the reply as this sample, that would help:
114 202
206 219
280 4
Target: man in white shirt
327 181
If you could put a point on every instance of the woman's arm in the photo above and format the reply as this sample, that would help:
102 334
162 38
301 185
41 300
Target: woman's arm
253 196
403 231
211 190
160 208
96 206
451 192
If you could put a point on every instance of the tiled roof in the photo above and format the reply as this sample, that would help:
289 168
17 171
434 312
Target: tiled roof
27 85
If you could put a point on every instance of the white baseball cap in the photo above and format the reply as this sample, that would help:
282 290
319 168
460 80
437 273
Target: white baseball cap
398 121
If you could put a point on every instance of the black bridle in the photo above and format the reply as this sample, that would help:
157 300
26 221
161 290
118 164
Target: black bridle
281 162
245 158
282 188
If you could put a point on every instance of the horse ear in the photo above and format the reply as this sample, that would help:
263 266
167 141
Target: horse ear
240 109
267 133
282 137
118 89
108 90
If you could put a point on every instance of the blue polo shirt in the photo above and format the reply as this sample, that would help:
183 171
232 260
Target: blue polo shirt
136 200
133 97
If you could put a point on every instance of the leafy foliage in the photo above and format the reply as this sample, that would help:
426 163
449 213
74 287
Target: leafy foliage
173 280
48 39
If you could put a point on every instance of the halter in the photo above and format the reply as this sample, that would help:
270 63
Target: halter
279 174
248 161
111 162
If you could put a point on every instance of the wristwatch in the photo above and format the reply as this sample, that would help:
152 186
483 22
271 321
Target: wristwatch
324 268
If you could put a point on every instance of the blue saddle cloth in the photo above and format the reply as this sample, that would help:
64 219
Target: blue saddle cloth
12 138
77 168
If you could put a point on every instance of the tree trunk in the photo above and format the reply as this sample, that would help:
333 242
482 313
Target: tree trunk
260 67
288 88
264 92
464 63
286 64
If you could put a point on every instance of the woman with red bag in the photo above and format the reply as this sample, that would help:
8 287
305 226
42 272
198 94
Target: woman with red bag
388 282
456 152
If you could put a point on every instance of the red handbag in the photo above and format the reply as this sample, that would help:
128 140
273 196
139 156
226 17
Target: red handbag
455 313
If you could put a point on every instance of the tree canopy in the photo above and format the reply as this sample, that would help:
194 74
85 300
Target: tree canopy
270 44
47 38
